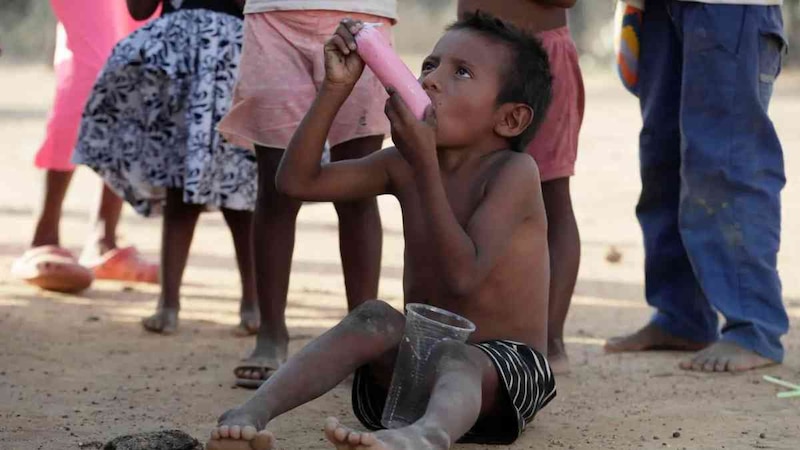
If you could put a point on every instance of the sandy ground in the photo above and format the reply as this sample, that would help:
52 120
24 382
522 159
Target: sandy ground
78 369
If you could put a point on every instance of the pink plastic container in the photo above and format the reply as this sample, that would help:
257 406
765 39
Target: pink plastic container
379 56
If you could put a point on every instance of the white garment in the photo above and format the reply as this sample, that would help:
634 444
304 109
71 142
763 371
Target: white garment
382 8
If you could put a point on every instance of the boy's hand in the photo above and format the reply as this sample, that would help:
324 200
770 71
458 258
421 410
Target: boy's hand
343 66
414 139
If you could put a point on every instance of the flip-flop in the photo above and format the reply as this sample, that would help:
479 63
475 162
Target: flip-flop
52 268
253 364
124 264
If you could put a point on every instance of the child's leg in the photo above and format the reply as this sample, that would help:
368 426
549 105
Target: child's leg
369 334
241 225
176 238
104 223
360 232
273 244
55 189
565 255
465 387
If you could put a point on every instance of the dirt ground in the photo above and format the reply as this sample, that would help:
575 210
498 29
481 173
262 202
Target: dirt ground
79 369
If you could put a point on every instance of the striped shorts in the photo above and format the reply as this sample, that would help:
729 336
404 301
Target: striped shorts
524 374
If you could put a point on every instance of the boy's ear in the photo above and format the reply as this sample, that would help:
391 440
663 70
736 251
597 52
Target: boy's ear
513 119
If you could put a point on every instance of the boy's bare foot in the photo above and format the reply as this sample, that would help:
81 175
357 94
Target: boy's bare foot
557 357
409 438
249 321
238 430
725 357
164 321
651 337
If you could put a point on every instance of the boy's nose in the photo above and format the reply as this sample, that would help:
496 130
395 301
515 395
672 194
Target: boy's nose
429 82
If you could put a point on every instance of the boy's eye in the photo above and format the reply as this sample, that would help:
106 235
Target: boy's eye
463 73
427 65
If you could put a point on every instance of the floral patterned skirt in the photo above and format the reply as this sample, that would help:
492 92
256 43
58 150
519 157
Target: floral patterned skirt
150 122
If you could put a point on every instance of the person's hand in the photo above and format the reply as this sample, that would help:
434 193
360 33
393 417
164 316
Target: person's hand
415 139
343 66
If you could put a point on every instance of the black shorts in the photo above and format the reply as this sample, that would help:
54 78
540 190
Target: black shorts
524 373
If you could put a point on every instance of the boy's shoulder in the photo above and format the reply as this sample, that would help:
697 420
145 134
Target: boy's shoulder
515 167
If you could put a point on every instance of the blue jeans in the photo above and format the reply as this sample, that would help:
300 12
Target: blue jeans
712 172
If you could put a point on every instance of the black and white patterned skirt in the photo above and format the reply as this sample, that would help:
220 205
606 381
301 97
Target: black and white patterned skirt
150 122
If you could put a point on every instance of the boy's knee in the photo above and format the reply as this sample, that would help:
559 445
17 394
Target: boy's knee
457 354
378 318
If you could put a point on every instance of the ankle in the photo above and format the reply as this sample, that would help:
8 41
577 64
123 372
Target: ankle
435 435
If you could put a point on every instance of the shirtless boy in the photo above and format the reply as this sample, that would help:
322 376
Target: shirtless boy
476 244
555 148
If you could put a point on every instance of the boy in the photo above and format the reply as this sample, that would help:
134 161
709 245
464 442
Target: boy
476 244
280 72
555 148
712 174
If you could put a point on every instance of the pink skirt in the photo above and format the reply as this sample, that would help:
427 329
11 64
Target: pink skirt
87 31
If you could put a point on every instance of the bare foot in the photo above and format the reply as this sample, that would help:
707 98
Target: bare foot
249 321
725 356
238 430
409 438
557 357
164 321
651 337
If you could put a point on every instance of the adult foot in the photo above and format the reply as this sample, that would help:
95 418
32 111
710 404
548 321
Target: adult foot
249 321
725 356
557 357
238 430
408 438
651 337
270 353
164 321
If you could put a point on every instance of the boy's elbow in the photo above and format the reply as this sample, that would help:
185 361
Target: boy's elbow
287 185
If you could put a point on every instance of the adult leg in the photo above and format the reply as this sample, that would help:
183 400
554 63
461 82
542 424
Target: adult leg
565 254
176 239
273 244
360 232
465 387
241 225
369 334
684 319
732 175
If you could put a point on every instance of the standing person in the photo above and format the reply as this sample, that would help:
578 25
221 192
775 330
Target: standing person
149 130
87 31
555 148
281 71
712 172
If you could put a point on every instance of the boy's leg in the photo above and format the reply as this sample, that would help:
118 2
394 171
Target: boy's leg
465 388
176 239
684 319
732 176
273 245
360 232
368 335
104 223
241 225
565 255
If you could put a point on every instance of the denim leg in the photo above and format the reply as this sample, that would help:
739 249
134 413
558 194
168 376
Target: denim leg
732 168
670 283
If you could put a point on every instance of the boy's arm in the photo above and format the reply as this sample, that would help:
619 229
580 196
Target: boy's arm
466 254
300 174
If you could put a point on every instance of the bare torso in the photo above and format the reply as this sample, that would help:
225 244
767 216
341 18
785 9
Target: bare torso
526 14
512 301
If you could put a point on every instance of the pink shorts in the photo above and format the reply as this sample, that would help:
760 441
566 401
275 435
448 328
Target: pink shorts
555 146
281 69
87 31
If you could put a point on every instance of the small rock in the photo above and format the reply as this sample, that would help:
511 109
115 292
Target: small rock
613 255
93 319
158 440
762 435
655 438
202 368
128 289
676 434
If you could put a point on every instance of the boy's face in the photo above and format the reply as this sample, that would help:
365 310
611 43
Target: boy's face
463 78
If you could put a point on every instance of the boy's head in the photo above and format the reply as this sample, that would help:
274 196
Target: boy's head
489 81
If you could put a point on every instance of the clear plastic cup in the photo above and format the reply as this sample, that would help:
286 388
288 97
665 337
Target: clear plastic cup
426 326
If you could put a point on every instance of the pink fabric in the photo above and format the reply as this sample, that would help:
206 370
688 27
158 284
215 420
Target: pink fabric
555 147
282 67
87 31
